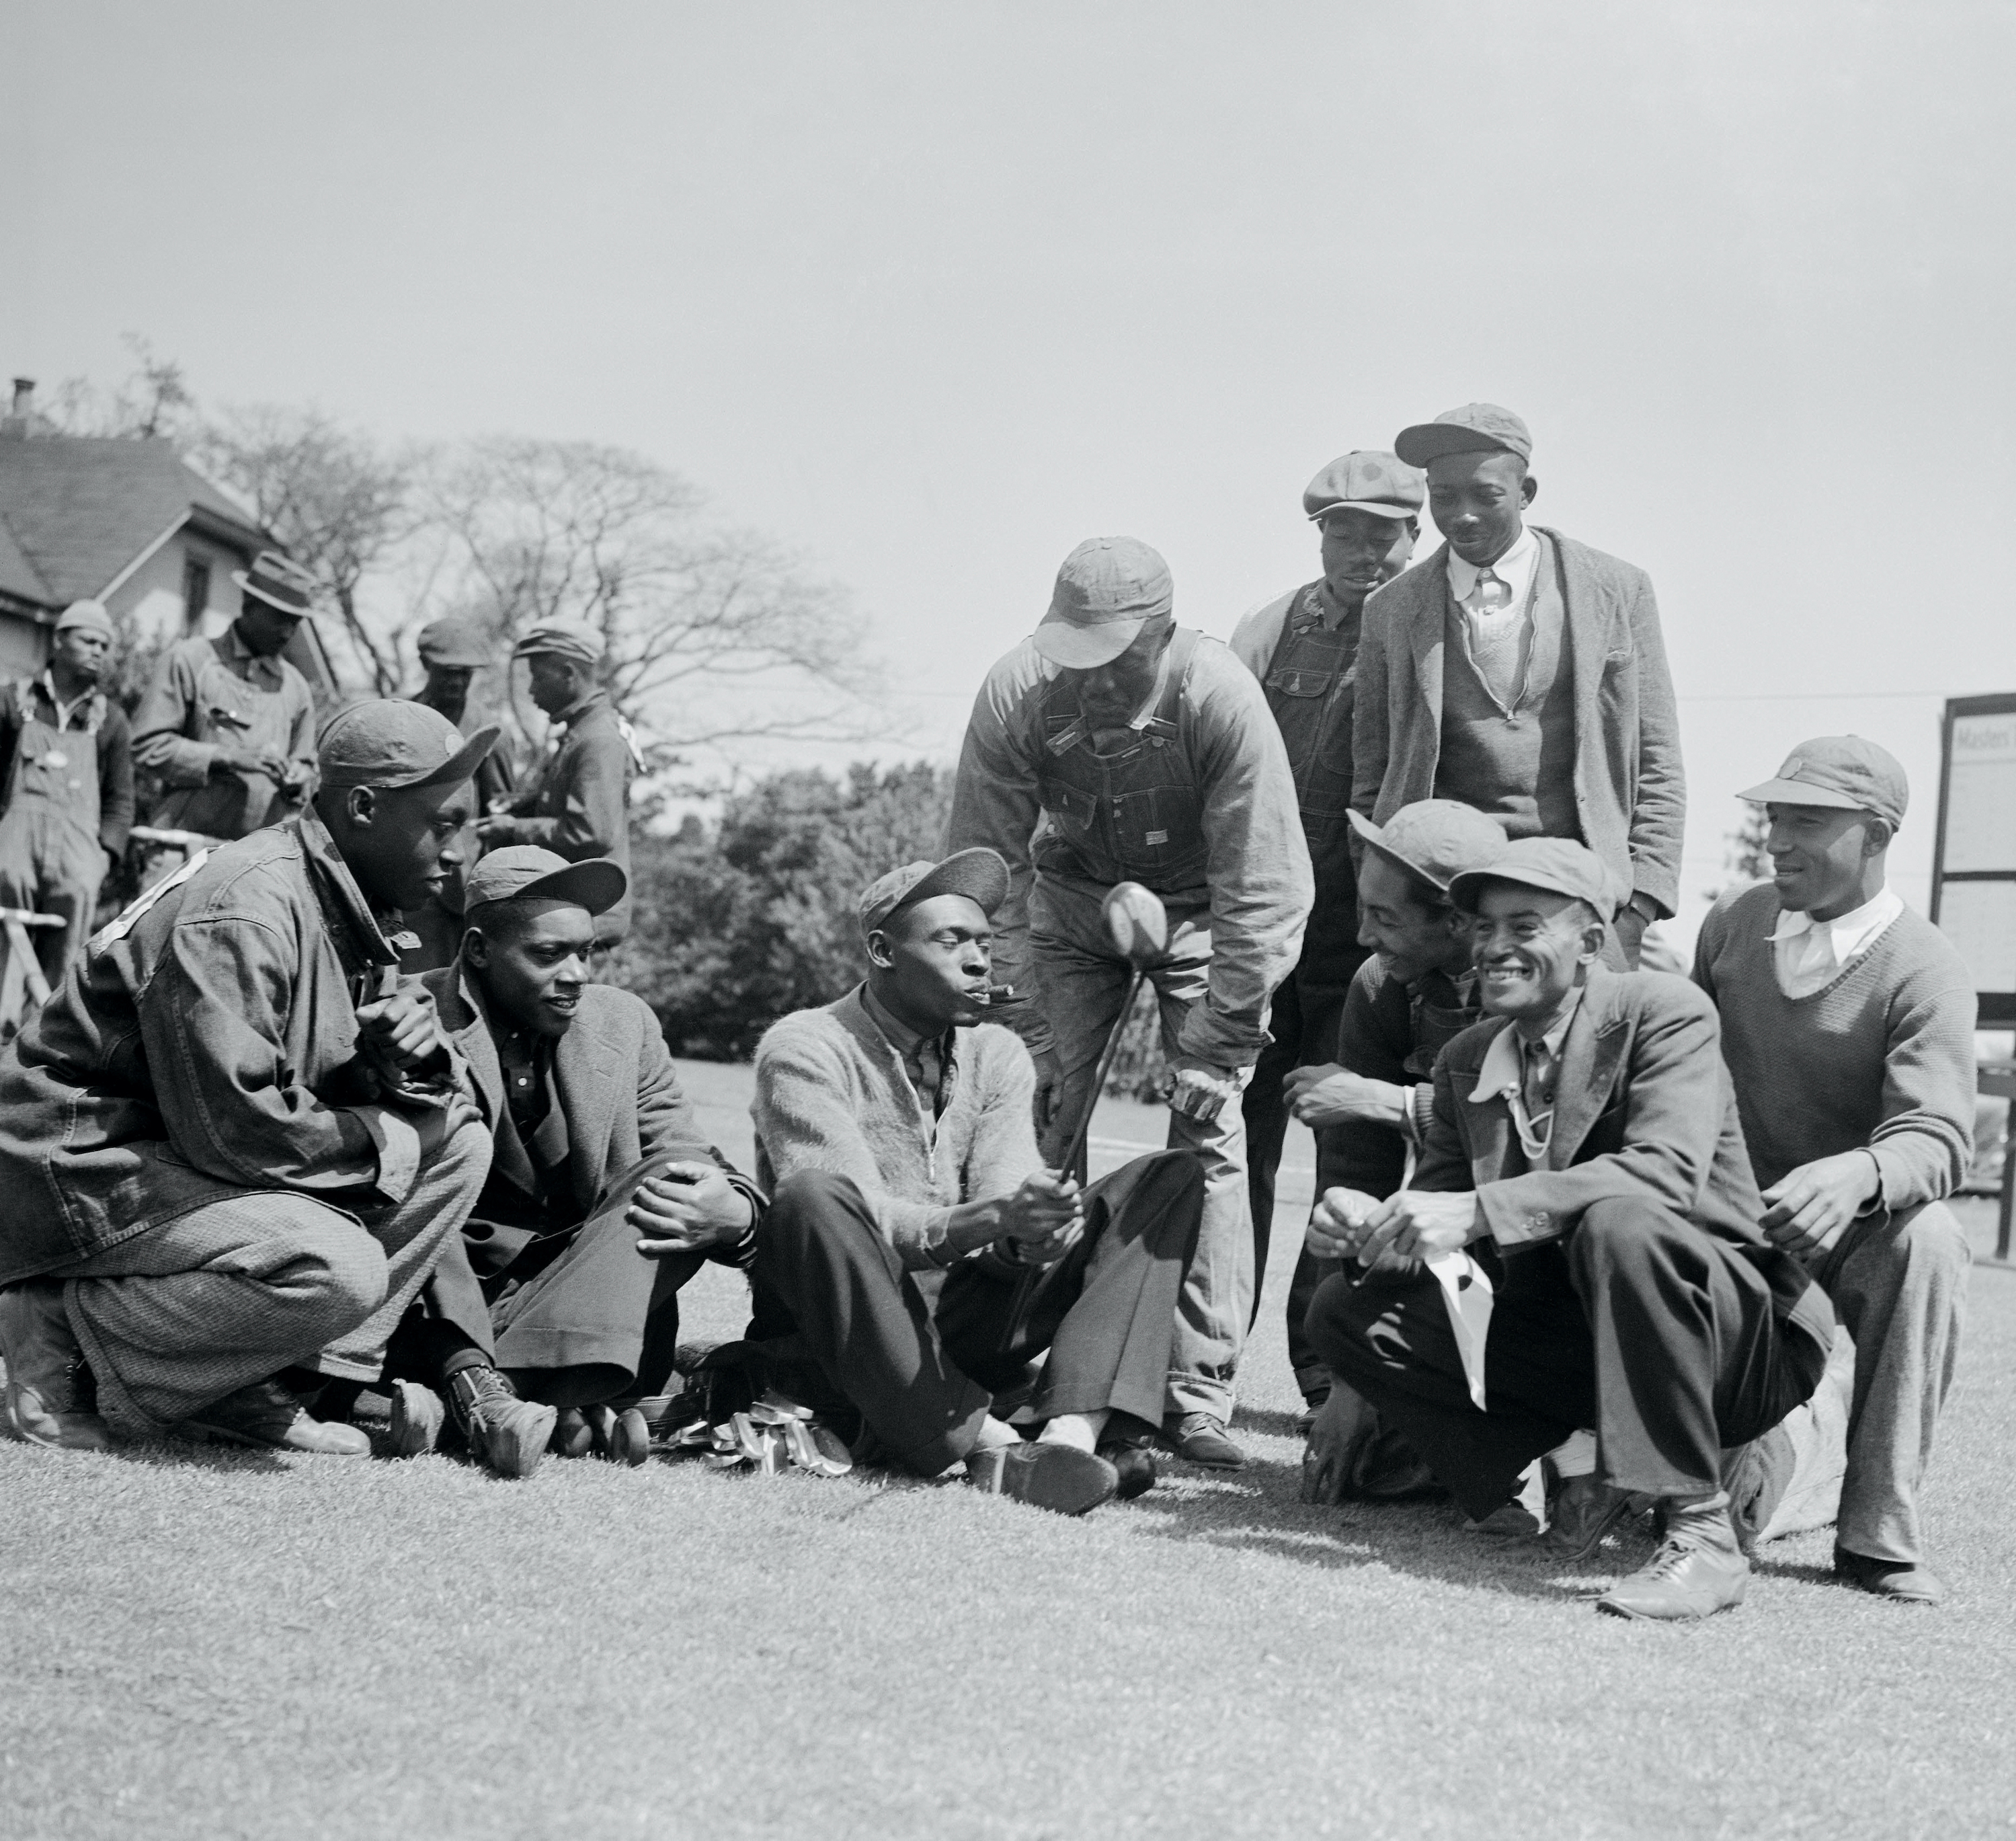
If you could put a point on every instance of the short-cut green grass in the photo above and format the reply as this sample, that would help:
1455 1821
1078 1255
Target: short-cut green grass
200 1645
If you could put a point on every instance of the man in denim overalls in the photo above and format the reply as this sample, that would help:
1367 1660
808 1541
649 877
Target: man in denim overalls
1114 746
1303 648
67 795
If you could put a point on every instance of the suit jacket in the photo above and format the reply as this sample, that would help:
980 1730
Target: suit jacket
618 1089
1643 1110
1629 789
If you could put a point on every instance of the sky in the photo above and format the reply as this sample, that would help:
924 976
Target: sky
934 292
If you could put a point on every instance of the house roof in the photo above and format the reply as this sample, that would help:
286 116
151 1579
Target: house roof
76 510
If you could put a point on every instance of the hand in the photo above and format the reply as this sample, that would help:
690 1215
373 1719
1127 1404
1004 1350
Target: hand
1344 1423
686 1207
1812 1205
398 1032
1333 1095
1045 1217
1419 1223
435 1125
1201 1090
1631 922
230 760
1338 1223
1049 1089
498 830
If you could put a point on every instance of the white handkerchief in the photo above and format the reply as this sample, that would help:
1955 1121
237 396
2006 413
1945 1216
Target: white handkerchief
1466 1291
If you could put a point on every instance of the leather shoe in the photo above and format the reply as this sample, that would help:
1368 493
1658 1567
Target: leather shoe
418 1415
508 1434
1698 1570
1904 1581
1510 1521
266 1416
48 1399
1199 1439
1128 1445
1060 1478
1584 1509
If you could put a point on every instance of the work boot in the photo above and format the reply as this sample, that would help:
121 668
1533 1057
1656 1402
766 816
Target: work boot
508 1434
1200 1439
50 1398
267 1416
1584 1509
1698 1570
418 1415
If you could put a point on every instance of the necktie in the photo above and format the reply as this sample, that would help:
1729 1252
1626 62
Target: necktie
1492 593
1537 1096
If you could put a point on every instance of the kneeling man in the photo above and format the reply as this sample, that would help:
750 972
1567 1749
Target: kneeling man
1584 1153
1847 1023
219 1156
560 1301
918 1251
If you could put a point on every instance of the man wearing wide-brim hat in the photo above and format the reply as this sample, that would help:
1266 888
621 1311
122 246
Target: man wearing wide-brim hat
1580 1247
228 724
578 806
233 1146
65 785
1114 746
1524 673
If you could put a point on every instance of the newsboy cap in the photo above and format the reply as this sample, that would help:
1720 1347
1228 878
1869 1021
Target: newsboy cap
1434 840
1475 428
1366 480
1559 865
391 743
452 642
90 615
570 638
1108 589
1842 771
980 874
527 872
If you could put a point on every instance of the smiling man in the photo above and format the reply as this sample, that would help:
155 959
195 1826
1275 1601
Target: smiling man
1303 648
231 1146
560 1302
1114 746
918 1258
1848 1022
1523 673
1583 1151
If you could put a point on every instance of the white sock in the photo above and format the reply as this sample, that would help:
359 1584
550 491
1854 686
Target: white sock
1080 1429
994 1434
1575 1456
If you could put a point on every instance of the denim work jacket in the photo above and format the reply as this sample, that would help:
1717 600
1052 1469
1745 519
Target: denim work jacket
198 1050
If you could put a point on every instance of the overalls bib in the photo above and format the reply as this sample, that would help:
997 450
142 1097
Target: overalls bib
1135 815
50 856
235 713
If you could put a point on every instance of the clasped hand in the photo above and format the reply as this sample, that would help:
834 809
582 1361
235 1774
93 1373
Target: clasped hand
686 1207
1201 1090
400 1031
1809 1206
1045 1217
1331 1094
1413 1224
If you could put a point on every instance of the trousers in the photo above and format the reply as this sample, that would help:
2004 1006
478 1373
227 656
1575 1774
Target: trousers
200 1305
1898 1284
847 1326
1639 1324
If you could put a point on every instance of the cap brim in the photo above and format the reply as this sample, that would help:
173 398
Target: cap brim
245 585
459 766
597 885
1393 514
1084 648
1462 887
454 660
980 874
1375 841
1430 440
1796 792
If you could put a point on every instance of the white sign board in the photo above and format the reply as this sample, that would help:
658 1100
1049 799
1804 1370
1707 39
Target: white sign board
1980 802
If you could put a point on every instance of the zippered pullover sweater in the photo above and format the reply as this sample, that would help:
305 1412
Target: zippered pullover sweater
831 1095
1880 1060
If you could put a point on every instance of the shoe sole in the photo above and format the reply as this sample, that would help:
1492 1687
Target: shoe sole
1060 1479
418 1415
195 1432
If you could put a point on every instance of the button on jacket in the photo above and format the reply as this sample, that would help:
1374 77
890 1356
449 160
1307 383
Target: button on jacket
202 1049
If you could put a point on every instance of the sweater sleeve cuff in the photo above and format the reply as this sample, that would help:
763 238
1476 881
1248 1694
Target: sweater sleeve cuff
1417 1114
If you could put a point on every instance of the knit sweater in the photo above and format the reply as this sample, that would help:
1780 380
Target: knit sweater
831 1094
1881 1059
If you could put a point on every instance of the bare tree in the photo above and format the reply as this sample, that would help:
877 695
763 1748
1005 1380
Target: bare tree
340 503
154 400
1743 854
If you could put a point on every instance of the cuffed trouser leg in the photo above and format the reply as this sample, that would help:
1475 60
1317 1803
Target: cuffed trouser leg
207 1303
1106 1311
862 1324
447 1325
601 1322
412 1233
1311 1375
1265 1105
1898 1284
1389 1338
1689 1357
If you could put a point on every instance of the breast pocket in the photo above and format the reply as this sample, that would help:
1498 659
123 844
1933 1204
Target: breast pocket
1299 683
1076 811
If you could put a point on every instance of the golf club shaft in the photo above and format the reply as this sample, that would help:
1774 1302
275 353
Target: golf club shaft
1069 1165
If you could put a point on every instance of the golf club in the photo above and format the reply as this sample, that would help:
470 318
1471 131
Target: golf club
1138 926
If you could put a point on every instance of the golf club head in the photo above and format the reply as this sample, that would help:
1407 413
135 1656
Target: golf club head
1138 923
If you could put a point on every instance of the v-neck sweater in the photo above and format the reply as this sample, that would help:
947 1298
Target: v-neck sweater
1881 1058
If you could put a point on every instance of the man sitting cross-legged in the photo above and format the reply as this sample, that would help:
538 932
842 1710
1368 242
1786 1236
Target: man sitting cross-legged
1584 1149
561 1298
919 1253
1848 1024
217 1157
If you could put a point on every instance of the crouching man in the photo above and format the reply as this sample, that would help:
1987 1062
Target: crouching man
219 1158
917 1255
1584 1162
560 1301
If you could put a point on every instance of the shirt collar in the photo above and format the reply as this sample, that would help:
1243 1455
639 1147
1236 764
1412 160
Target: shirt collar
579 707
1848 933
905 1041
1502 1074
1514 568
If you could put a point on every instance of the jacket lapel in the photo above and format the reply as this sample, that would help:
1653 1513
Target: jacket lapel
1588 635
461 1016
1486 1125
1425 633
1596 1042
585 1070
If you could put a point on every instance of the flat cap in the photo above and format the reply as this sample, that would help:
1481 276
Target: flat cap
279 581
1475 428
1559 865
570 638
1366 480
1108 589
526 872
1435 840
91 615
391 743
1842 771
452 641
980 874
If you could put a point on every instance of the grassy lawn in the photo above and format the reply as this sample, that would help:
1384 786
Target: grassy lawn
206 1645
